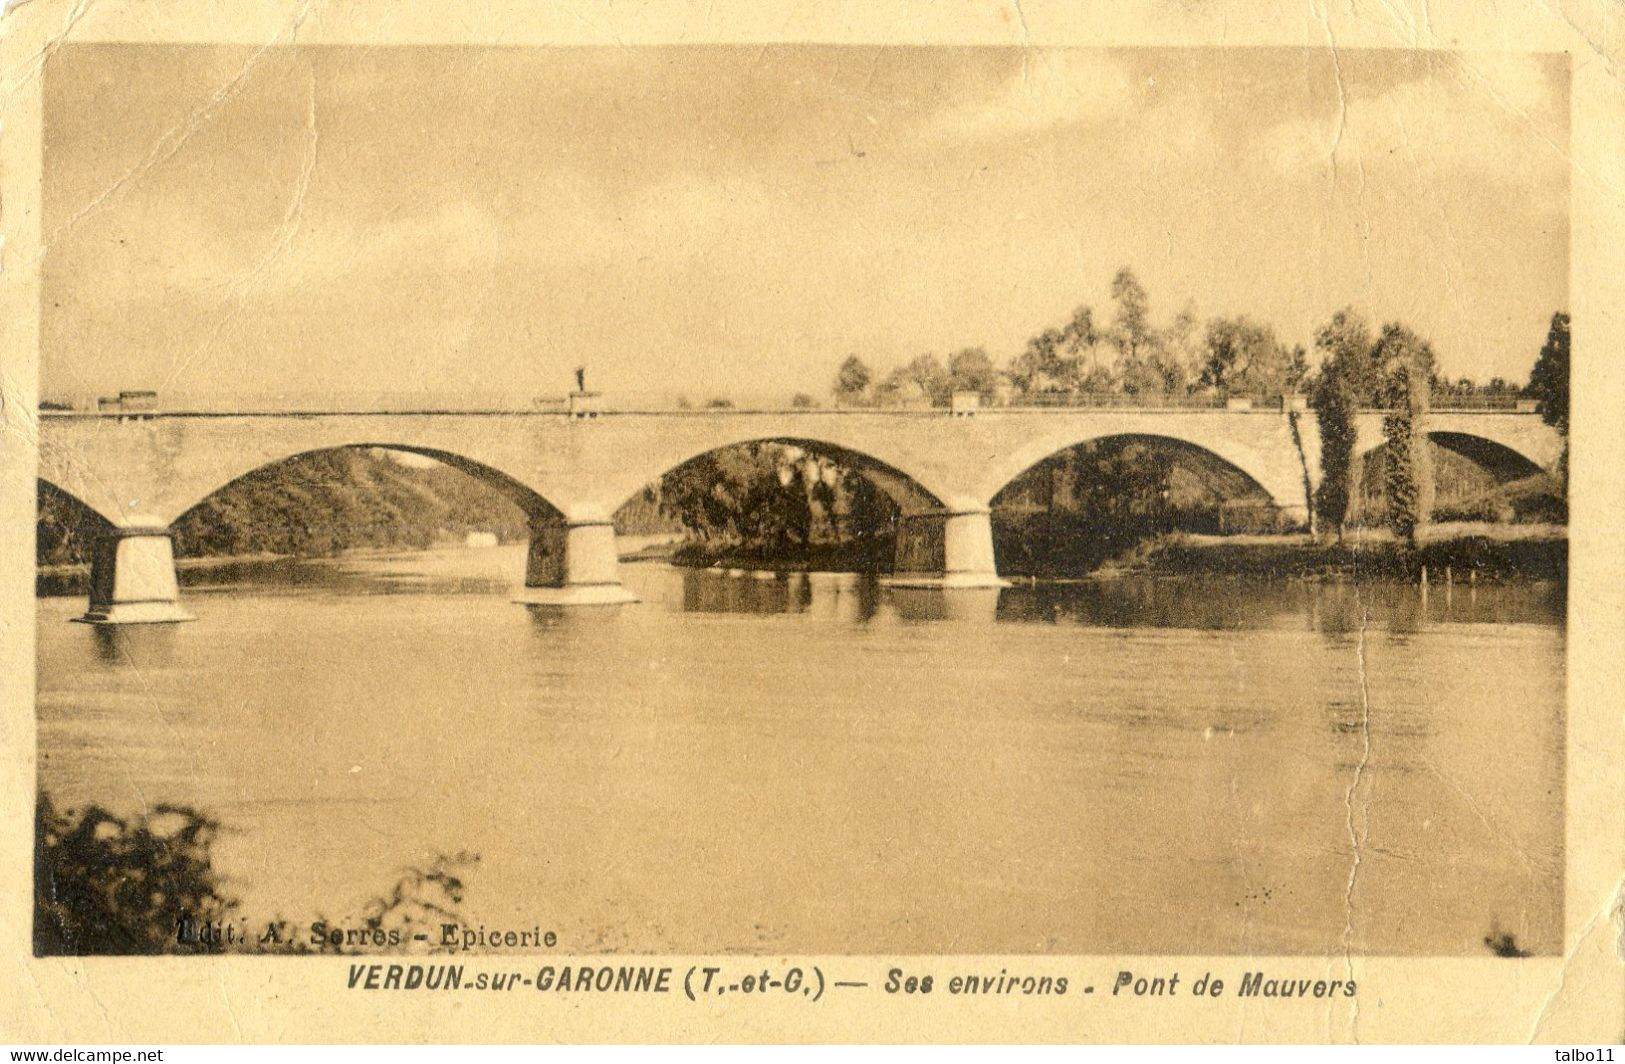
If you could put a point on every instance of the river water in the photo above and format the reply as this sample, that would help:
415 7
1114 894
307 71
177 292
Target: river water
818 764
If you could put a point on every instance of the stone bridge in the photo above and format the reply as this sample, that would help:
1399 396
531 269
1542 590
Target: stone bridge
570 471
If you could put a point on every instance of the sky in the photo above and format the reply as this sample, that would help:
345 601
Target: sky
224 222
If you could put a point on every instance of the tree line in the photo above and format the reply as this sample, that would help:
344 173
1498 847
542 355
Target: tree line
1119 353
1124 354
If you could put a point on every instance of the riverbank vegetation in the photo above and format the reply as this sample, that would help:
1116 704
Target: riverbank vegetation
778 496
147 884
1457 552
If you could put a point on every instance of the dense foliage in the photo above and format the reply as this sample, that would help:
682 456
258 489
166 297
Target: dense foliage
1126 357
1395 372
340 499
105 885
1092 502
1407 366
1346 376
64 528
1549 382
775 495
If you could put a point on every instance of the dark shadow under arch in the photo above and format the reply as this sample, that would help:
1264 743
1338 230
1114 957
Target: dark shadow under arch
1223 476
780 502
1102 498
1501 461
906 492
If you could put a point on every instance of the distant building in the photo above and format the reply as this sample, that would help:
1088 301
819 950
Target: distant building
128 402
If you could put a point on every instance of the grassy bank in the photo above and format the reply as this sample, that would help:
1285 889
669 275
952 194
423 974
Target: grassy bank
1463 552
1466 553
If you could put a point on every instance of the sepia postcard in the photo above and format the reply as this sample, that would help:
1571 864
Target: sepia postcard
986 521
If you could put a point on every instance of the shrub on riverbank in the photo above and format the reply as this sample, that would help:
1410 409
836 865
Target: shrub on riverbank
870 554
1536 499
1057 544
1466 556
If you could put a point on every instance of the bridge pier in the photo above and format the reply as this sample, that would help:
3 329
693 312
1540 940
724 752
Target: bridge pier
132 578
947 549
573 563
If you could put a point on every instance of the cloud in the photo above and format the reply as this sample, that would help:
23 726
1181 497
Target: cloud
670 221
1051 90
686 214
179 254
1482 115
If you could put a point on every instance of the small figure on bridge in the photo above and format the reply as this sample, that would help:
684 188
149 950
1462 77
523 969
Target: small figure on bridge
581 378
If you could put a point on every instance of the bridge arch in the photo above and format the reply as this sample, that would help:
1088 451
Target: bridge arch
1507 456
536 506
904 489
931 539
1506 463
1278 474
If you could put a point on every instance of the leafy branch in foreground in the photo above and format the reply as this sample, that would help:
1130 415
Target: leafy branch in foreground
143 885
421 900
108 885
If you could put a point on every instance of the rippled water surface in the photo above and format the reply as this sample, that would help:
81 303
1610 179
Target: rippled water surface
817 763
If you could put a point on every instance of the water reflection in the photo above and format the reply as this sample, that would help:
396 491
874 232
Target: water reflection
1336 608
712 592
923 605
1209 604
845 596
358 573
136 645
547 618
